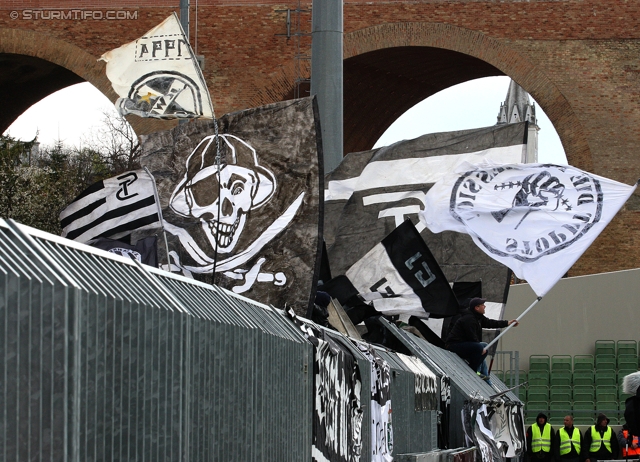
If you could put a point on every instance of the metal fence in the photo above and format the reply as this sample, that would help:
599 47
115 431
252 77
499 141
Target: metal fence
414 430
106 360
464 386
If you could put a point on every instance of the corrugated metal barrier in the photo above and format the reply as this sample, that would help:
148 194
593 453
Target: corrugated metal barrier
106 360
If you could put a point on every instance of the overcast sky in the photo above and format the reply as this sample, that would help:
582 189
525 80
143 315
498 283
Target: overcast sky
70 115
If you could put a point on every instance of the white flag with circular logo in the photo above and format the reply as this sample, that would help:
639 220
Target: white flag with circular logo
158 75
537 219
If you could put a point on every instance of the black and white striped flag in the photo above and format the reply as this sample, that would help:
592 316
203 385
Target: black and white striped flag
112 208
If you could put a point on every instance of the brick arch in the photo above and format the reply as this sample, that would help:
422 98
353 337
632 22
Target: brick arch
391 67
36 65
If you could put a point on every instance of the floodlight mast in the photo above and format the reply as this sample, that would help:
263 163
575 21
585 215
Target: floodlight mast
184 17
327 76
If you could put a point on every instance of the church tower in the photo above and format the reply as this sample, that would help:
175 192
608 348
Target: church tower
517 107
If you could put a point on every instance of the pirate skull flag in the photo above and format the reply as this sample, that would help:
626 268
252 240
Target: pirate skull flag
158 75
537 219
244 204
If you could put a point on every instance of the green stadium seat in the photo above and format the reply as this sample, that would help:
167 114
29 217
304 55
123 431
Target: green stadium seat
584 405
584 393
558 409
583 362
556 394
538 393
522 394
606 393
605 377
606 405
605 362
607 347
627 347
584 412
584 378
533 408
583 420
610 408
628 362
622 373
578 387
522 377
561 378
622 396
561 363
530 418
581 377
539 363
538 378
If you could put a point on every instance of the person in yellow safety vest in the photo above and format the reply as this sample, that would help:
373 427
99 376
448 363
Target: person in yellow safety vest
599 442
628 443
568 442
540 440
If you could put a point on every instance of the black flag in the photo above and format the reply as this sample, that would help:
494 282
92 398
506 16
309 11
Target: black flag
145 250
401 276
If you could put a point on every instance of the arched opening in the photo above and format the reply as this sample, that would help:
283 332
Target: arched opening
34 65
74 116
25 80
472 104
379 86
392 67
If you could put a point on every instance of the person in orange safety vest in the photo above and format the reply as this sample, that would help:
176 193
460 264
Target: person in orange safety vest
629 446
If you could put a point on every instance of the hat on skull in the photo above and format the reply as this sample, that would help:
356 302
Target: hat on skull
237 158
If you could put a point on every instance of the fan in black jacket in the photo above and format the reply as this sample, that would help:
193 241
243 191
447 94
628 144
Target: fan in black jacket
465 338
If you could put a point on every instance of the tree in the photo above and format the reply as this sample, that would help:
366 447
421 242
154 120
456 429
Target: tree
12 153
117 143
37 183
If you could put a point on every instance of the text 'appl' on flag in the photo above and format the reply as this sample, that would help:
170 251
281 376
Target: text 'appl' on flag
537 219
158 75
400 276
112 208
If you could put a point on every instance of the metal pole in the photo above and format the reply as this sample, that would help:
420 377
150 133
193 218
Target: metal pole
164 233
184 17
326 76
509 327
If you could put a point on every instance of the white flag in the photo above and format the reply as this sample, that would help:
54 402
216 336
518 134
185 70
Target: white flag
537 219
158 75
112 208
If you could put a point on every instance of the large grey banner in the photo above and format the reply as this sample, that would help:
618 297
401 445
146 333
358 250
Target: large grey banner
373 192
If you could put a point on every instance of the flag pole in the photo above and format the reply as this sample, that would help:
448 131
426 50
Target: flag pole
510 326
164 233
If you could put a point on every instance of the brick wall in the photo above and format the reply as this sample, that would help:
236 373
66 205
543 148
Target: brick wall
578 58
